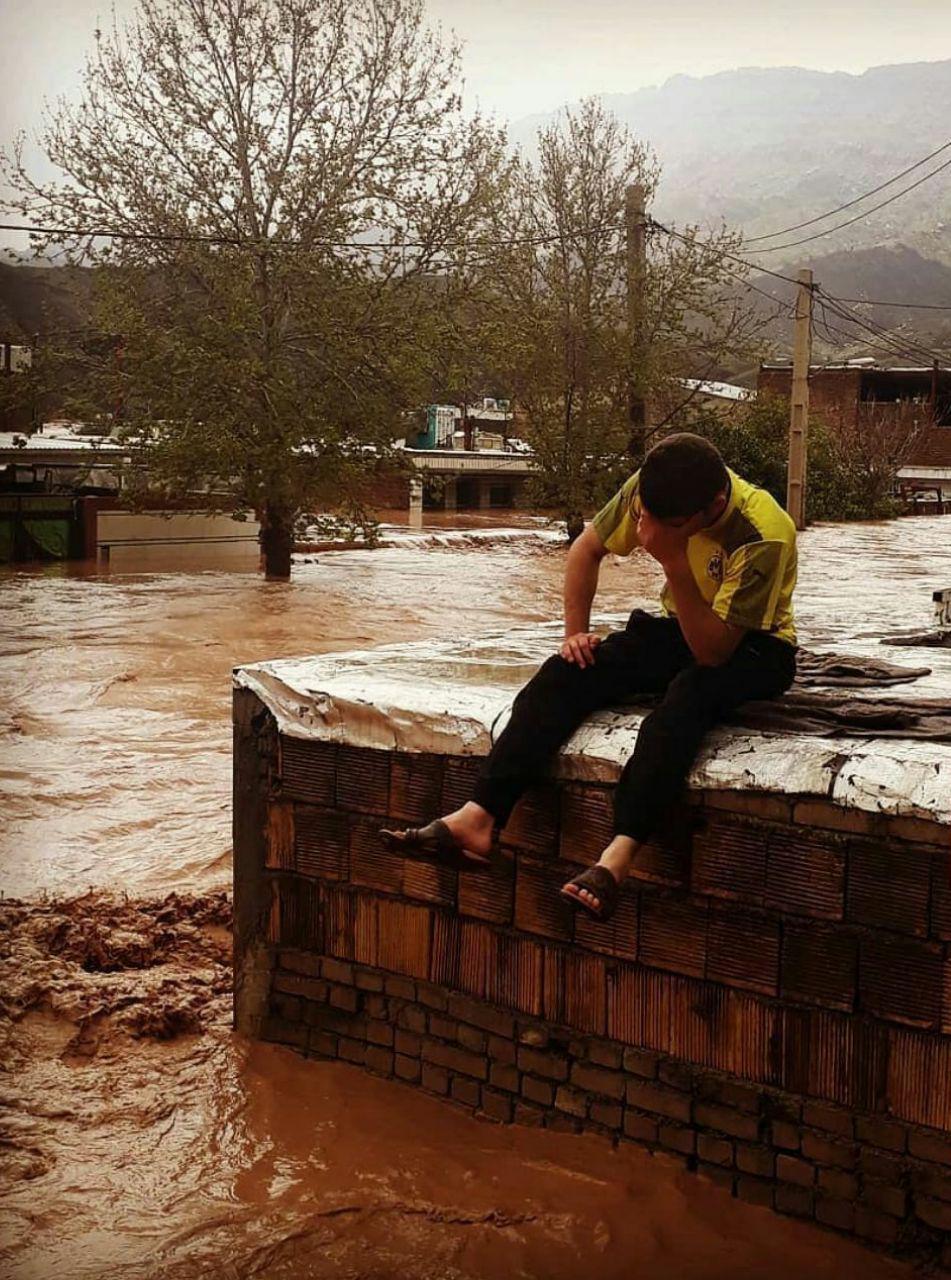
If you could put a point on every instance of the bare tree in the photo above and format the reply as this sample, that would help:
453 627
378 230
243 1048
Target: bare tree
562 286
872 443
284 177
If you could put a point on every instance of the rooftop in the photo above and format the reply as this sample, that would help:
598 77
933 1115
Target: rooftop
718 390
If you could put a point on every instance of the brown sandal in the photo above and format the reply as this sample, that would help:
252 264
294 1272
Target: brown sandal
433 841
600 882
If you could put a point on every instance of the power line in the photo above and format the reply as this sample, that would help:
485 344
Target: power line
880 347
772 235
238 242
778 248
898 345
693 242
778 275
877 330
911 306
787 308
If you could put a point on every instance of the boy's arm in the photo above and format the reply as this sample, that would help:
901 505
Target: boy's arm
582 569
712 641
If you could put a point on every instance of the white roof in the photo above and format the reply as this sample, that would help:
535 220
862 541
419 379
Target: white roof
718 390
42 443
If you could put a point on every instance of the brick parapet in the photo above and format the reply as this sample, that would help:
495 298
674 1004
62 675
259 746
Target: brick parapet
771 1003
868 1175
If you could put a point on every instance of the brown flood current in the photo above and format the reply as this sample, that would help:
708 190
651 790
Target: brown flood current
138 1136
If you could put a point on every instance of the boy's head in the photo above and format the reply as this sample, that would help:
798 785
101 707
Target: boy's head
681 476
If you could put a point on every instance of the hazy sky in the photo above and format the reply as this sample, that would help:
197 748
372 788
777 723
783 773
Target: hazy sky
524 56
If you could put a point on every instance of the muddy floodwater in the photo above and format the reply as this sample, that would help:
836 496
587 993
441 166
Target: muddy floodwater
139 1137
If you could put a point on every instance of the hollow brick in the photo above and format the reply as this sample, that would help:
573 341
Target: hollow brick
805 873
322 843
640 1127
363 780
308 769
465 1091
497 1106
659 1099
793 1169
406 1068
819 964
900 979
676 1137
889 887
726 1120
729 861
597 1080
673 935
415 786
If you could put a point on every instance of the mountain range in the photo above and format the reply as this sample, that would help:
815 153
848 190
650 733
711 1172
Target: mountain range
763 149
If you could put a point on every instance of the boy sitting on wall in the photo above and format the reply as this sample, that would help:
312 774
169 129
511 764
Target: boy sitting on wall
728 552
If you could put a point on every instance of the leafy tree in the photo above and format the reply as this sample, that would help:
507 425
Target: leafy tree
574 344
288 174
755 443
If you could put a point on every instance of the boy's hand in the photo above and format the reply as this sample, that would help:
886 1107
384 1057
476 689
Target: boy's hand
580 648
666 543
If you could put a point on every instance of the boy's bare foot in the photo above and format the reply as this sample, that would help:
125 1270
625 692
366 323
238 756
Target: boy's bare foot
472 827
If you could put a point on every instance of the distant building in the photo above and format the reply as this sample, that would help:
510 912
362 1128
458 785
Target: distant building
482 425
15 359
915 397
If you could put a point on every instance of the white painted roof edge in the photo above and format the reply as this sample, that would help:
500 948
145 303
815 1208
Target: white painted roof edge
719 390
896 777
924 473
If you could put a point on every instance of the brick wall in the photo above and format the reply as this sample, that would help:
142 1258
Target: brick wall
772 1000
832 392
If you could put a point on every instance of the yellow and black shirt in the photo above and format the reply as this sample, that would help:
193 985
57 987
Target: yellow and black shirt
744 563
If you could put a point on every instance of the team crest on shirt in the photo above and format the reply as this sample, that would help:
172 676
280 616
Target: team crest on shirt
715 566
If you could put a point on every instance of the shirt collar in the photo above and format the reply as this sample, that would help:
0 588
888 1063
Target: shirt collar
727 510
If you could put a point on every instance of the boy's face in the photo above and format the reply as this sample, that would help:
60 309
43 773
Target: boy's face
710 513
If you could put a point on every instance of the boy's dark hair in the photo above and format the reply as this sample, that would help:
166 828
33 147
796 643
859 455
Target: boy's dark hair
681 475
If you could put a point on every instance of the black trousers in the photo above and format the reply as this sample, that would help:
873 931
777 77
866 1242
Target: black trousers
650 656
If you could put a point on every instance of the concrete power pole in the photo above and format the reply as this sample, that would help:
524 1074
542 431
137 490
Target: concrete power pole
799 403
635 225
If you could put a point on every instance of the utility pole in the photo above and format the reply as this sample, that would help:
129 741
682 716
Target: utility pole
799 403
635 226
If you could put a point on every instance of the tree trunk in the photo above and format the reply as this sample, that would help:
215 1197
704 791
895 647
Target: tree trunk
277 542
575 523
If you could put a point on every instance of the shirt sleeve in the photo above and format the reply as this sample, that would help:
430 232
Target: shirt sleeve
616 522
752 580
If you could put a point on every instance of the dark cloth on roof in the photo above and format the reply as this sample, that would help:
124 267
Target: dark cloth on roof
848 671
828 715
813 705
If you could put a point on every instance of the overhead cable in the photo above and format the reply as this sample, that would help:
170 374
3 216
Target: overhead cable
830 213
791 244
